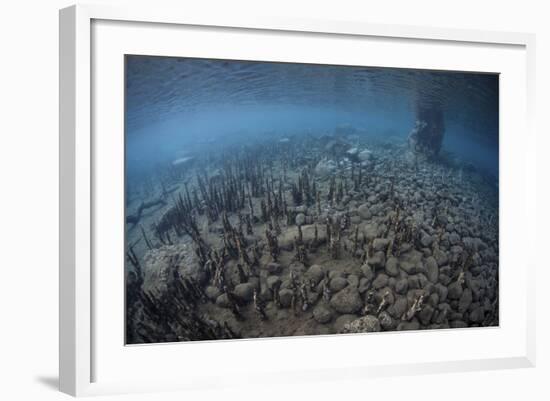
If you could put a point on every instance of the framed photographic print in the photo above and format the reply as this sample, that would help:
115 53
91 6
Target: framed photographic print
313 192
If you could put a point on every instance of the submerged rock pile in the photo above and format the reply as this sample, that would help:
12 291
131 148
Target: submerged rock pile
317 238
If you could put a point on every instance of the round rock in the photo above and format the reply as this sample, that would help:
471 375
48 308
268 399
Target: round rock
244 292
223 301
353 280
477 315
300 219
341 321
364 211
432 268
425 315
364 285
315 273
212 292
402 285
273 268
465 300
398 308
285 297
386 320
380 281
347 301
380 244
273 282
325 168
455 290
368 272
392 266
297 267
377 260
426 240
365 324
322 314
413 325
337 284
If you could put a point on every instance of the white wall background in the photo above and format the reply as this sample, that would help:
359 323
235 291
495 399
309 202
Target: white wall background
29 199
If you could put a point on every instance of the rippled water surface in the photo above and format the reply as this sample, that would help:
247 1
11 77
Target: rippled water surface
277 199
207 97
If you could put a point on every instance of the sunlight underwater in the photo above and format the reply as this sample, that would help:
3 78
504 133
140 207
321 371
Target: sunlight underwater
277 199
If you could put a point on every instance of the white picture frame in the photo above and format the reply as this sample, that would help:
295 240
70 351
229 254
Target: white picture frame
81 163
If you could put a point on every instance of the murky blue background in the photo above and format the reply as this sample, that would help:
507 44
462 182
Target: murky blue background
173 104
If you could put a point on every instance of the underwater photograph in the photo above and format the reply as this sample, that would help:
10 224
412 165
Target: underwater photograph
270 199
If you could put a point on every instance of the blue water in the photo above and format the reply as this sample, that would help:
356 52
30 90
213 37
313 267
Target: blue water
175 104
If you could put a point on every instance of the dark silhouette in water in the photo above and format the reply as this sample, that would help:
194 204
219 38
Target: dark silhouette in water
426 137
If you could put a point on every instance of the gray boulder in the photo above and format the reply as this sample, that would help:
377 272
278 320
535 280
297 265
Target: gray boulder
365 324
285 297
402 285
465 300
364 285
432 268
380 281
315 273
386 321
380 244
341 321
273 282
325 168
212 292
398 308
441 257
459 324
244 292
411 262
368 272
223 301
353 280
454 238
392 266
337 284
477 315
425 315
347 301
335 273
412 325
365 155
273 268
378 260
455 290
426 240
441 291
323 314
297 267
364 211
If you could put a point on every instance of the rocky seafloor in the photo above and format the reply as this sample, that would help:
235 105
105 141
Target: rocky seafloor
310 235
